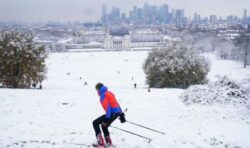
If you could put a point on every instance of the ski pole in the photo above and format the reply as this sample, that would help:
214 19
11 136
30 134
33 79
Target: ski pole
145 127
149 139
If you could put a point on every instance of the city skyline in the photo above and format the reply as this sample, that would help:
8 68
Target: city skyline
82 10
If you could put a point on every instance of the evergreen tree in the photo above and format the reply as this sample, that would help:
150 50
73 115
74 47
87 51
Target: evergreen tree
175 66
22 63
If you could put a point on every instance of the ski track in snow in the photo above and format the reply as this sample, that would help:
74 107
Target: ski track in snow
63 111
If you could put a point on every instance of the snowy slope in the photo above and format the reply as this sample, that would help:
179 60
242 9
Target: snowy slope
63 111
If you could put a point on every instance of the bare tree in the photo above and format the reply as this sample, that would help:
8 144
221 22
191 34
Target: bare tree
225 46
243 43
214 39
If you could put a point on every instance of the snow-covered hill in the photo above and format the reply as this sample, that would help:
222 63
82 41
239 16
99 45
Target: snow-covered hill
63 111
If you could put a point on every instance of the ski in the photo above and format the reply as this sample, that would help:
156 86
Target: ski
79 144
89 145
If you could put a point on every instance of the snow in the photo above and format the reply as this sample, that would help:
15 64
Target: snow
231 69
141 49
63 111
86 50
94 43
65 41
166 37
223 91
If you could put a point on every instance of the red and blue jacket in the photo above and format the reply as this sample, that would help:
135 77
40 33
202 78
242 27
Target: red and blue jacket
109 102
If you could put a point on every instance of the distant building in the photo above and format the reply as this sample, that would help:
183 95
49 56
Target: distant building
123 18
117 42
85 37
179 17
145 36
144 39
50 45
213 19
244 19
104 14
118 30
233 19
197 18
133 15
164 14
143 45
245 14
146 13
248 21
91 45
230 19
115 16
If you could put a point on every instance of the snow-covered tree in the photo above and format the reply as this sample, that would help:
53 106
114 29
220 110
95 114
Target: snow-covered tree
175 66
22 63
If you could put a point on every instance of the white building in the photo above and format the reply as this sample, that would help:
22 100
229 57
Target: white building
145 35
144 44
84 46
148 41
51 45
85 37
145 39
48 45
117 42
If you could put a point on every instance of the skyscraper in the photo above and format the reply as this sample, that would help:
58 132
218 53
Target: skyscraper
104 14
123 17
244 19
139 14
164 15
197 18
134 14
179 16
245 14
230 19
115 15
213 19
153 14
146 13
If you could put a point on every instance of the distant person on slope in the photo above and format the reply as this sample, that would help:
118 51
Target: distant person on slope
112 109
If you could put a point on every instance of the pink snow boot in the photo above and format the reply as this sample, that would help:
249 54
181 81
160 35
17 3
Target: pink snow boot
108 141
100 141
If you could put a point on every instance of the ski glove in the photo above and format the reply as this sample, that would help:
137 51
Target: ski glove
122 118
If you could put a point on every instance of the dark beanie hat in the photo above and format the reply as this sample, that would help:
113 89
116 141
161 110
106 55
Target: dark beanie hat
98 86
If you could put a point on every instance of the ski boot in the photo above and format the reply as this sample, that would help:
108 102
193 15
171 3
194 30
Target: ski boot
100 142
108 142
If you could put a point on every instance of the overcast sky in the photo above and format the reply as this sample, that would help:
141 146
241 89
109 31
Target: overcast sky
90 10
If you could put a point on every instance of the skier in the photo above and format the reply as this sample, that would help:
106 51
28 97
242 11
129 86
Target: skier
113 111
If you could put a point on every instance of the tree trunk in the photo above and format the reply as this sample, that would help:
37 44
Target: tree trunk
246 53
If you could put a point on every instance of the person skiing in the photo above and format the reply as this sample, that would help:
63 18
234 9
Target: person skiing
113 111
